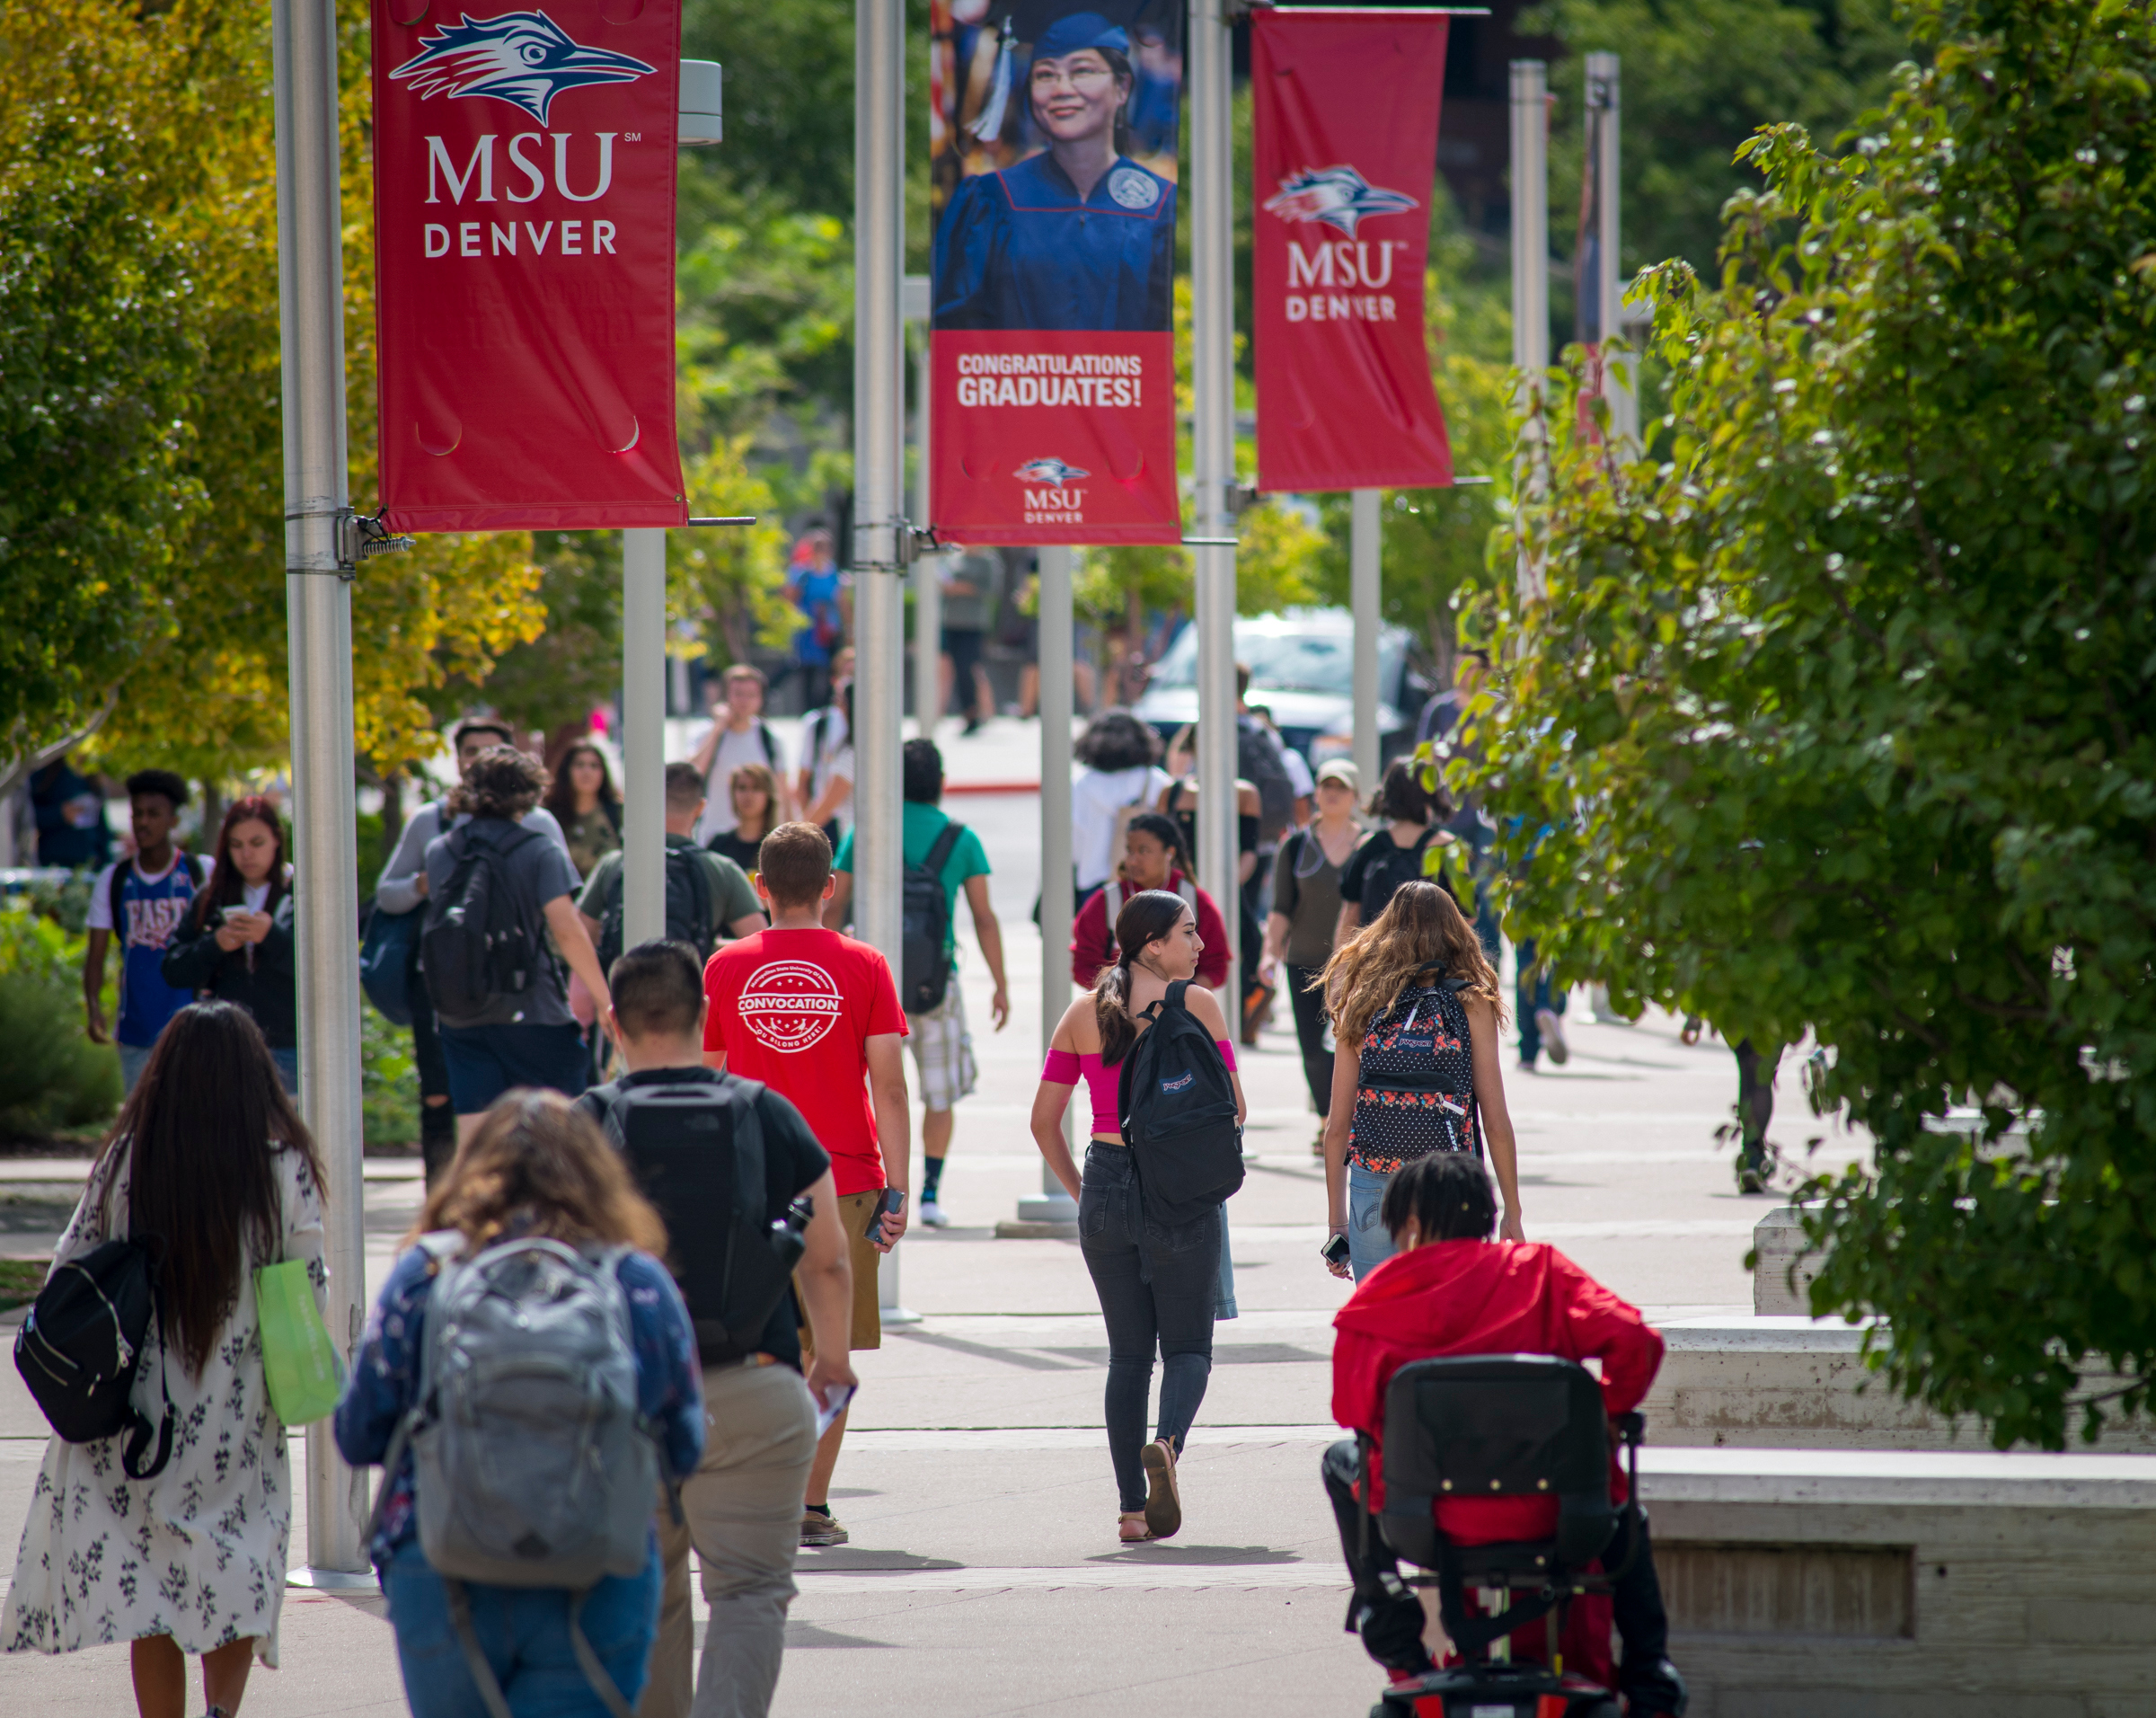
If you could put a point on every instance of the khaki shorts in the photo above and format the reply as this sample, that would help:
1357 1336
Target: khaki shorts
853 1211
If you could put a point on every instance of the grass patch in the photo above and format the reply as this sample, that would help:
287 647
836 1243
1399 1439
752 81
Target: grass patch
20 1280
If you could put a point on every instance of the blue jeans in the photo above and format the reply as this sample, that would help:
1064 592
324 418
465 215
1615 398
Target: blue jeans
523 1632
132 1059
1160 1288
288 1070
1530 995
1368 1244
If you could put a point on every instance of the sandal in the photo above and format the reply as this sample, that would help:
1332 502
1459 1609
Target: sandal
1164 1503
1131 1528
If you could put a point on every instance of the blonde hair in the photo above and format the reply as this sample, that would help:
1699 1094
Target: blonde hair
539 1166
1421 929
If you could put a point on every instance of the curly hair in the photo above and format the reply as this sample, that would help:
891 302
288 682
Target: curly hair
501 783
1115 739
1421 930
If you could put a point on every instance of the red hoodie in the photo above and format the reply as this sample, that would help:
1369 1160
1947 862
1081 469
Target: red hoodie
1094 938
1484 1297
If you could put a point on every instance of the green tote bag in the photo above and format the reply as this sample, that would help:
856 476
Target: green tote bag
301 1366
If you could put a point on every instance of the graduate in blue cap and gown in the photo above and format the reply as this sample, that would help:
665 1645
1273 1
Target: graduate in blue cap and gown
1079 236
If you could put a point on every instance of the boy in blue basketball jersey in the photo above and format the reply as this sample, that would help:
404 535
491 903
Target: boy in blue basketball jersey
144 898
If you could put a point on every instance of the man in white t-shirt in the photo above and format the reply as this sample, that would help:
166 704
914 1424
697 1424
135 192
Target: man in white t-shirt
738 735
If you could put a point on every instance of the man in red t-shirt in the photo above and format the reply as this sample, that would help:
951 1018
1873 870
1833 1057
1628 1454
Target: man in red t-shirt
815 1016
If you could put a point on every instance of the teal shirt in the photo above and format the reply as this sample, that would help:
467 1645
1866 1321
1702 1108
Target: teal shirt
924 824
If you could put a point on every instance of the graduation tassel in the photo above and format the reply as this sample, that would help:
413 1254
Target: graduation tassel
988 125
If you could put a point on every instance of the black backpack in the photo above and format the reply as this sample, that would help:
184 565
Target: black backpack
81 1344
1178 1106
924 927
1393 865
691 907
1257 762
482 940
694 1143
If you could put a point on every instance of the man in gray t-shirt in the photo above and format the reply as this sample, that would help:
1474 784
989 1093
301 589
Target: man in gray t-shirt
528 1037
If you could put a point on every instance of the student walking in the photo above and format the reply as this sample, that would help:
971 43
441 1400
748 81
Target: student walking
741 1508
825 733
1157 1282
1417 1013
1413 816
144 899
1120 776
738 735
936 847
1154 856
815 1016
832 809
1306 911
583 801
535 1238
210 1169
494 886
755 792
708 896
402 888
236 943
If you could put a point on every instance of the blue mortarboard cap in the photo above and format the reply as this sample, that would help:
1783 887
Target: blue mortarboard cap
1078 30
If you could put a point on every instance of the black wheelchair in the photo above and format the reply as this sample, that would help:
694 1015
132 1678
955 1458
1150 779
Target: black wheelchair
1513 1425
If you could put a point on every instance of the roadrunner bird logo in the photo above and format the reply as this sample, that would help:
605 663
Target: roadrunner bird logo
522 57
1052 472
1339 196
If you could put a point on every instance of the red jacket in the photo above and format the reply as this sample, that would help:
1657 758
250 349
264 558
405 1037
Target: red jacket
1093 937
1484 1297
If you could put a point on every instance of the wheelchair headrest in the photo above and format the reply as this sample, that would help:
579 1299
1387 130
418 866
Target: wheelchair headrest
1498 1425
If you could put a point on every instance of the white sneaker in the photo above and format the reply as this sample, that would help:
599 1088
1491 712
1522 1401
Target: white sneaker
1550 1024
932 1214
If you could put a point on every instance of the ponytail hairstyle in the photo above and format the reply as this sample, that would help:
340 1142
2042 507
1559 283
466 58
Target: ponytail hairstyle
1169 833
1147 917
1421 932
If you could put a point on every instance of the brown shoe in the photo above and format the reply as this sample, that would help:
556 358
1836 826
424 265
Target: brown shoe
818 1528
1164 1503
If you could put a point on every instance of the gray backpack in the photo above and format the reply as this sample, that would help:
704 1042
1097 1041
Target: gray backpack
533 1465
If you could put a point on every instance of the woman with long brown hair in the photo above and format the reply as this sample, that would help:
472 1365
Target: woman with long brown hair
584 802
1156 1288
755 796
536 1166
211 1169
1416 1013
236 943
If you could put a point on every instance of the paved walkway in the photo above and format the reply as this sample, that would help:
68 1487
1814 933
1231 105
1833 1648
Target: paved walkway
984 1576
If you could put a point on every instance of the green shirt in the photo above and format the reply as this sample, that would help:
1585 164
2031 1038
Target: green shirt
733 896
924 824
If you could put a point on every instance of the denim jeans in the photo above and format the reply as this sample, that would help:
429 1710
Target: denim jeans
1159 1287
288 1070
1368 1244
523 1632
1533 991
132 1059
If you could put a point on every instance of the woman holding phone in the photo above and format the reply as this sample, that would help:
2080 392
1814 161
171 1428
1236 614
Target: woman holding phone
1156 1288
1416 1012
236 942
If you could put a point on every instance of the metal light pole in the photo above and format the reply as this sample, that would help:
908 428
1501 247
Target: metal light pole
643 736
878 456
1052 1206
1365 542
928 570
1602 114
1531 287
318 606
1213 353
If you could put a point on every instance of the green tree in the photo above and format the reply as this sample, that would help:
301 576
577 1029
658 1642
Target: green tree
1843 715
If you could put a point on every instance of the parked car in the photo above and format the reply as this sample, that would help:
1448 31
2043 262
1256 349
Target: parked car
1302 669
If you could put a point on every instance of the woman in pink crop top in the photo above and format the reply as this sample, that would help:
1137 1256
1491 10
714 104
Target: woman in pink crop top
1156 1287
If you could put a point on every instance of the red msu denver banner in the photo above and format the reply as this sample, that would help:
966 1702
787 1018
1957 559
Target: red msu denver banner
1052 141
524 259
1345 134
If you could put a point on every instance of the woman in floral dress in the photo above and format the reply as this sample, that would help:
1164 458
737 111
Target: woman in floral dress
209 1156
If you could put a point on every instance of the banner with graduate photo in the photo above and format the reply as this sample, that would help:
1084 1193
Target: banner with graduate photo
1052 160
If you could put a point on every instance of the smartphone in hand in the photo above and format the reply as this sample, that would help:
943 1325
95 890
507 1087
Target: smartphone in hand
891 1201
1335 1249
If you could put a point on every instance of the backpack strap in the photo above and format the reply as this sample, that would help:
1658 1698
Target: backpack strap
700 891
1173 1001
770 746
115 892
938 855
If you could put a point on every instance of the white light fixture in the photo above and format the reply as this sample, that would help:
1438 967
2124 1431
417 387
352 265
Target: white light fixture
702 103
